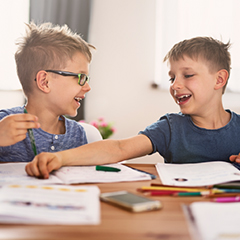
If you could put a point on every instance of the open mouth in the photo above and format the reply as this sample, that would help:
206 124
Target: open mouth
78 99
183 98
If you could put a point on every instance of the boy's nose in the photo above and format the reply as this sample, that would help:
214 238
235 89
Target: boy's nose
86 87
177 84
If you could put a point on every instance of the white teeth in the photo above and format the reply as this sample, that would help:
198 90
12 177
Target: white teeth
78 99
183 96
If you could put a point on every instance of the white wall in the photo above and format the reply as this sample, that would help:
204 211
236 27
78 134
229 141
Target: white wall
13 15
11 98
123 69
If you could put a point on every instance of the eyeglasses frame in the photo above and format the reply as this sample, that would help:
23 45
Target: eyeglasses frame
66 74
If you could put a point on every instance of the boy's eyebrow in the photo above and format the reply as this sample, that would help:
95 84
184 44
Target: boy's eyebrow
83 72
183 68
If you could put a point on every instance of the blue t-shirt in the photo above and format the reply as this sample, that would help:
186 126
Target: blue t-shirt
179 140
74 136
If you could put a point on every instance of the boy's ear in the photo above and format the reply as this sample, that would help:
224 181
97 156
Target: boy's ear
221 79
42 81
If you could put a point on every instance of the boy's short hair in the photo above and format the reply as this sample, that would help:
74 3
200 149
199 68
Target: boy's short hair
46 46
213 51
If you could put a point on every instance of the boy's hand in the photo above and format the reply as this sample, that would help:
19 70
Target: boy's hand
43 164
13 128
235 158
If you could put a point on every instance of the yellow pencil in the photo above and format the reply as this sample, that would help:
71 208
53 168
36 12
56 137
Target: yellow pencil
178 189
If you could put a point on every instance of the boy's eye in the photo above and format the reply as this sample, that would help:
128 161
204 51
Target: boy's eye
171 80
188 76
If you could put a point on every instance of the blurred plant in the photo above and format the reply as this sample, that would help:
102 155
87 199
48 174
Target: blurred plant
106 129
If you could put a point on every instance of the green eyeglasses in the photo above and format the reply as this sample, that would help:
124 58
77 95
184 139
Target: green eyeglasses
82 78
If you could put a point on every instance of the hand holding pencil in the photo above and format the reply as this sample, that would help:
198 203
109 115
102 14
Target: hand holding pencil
13 128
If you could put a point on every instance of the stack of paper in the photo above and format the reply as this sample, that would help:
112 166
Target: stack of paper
52 204
15 172
214 221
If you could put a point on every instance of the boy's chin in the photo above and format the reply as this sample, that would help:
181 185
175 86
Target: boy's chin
184 112
71 115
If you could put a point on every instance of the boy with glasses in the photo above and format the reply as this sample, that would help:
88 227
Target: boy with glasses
202 131
52 66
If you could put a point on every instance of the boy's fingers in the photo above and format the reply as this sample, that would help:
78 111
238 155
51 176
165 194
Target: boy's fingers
43 169
26 116
235 158
32 169
42 165
27 125
232 157
22 121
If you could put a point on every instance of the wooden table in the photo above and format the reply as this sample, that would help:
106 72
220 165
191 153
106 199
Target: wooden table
169 223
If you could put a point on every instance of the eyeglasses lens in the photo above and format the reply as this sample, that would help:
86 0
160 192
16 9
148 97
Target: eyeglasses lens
82 79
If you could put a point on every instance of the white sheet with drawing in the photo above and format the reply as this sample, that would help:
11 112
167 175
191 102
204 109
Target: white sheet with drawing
49 204
197 174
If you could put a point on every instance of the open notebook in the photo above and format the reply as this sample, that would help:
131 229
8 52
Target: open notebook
15 173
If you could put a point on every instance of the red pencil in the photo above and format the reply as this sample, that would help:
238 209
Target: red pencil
160 192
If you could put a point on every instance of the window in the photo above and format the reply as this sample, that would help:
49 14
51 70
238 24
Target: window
13 16
177 20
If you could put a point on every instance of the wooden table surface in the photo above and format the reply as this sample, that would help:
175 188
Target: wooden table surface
169 223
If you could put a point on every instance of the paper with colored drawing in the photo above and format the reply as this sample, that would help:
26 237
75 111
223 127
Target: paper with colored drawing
49 204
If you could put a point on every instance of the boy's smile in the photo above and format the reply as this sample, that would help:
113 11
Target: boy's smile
192 85
182 99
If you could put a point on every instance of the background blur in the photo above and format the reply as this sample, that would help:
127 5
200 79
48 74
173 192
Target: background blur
132 38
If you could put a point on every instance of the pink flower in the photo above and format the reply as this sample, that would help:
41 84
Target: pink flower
113 129
94 123
105 129
103 124
100 119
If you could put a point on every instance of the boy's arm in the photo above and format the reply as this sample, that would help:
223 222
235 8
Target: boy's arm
101 152
13 128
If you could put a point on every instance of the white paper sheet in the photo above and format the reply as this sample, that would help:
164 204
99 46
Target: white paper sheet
88 174
15 173
197 174
52 204
215 221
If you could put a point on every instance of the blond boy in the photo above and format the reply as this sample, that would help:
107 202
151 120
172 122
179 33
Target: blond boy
202 131
52 66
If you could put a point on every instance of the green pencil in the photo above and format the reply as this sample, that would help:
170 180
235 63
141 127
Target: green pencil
107 169
192 194
31 136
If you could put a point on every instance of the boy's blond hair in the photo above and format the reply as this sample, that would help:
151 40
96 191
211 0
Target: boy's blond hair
44 47
213 51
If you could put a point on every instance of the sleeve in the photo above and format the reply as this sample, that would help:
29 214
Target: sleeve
159 134
3 113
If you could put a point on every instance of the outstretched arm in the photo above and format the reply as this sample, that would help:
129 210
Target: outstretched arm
101 152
